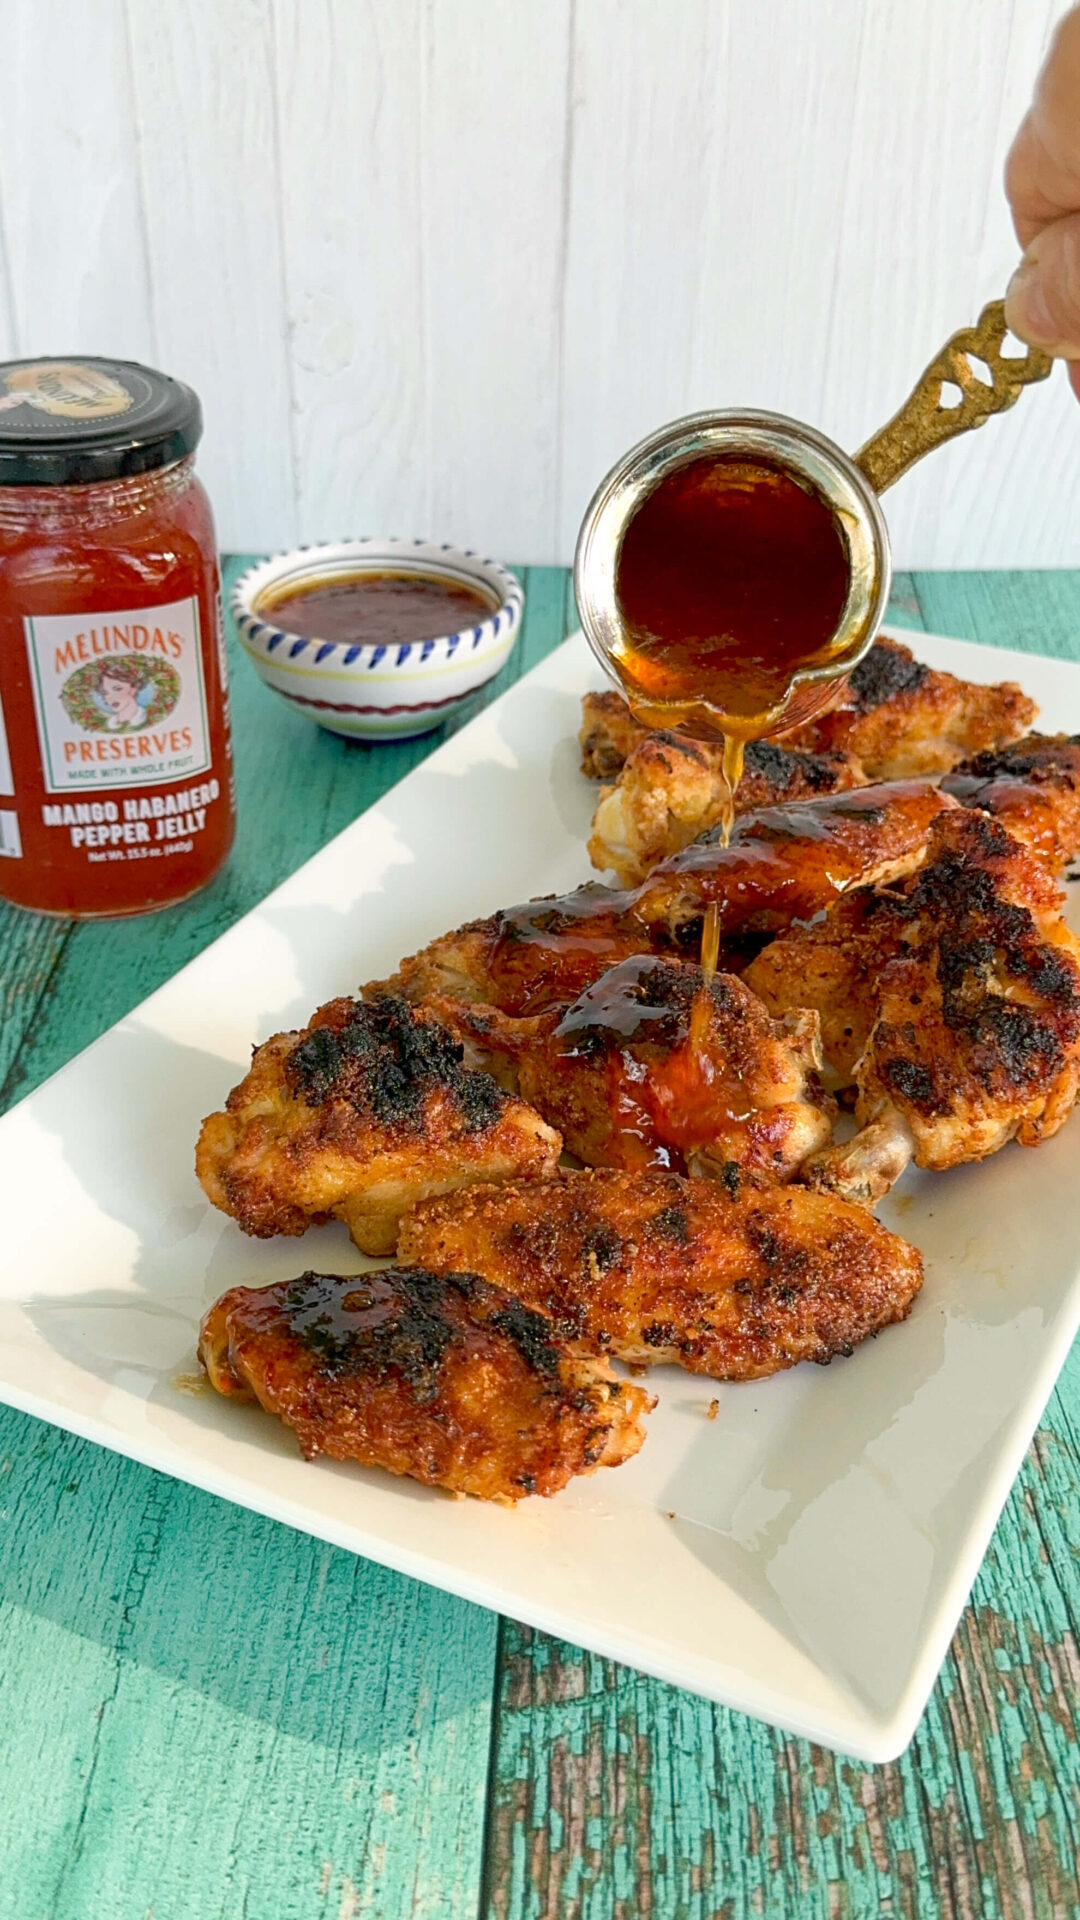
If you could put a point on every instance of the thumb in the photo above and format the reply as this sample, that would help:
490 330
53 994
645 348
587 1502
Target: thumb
1042 305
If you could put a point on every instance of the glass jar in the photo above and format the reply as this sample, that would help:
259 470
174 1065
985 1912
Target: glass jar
116 784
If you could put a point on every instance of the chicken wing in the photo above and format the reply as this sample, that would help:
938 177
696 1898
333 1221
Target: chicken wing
900 718
833 965
365 1111
608 734
783 864
651 1267
897 716
652 1067
671 790
436 1375
976 1039
1033 788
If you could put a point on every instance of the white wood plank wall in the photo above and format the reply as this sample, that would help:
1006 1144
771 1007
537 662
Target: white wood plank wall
433 264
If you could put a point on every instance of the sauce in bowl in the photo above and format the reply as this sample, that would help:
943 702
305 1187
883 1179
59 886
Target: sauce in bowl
382 608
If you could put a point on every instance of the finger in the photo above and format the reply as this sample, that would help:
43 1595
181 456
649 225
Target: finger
1042 305
1042 172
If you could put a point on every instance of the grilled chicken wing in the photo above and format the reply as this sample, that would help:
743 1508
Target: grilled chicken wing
436 1375
654 1067
365 1111
976 1036
833 965
671 790
1033 788
898 718
783 864
651 1267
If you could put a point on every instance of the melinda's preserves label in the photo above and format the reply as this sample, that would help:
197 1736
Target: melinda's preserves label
119 697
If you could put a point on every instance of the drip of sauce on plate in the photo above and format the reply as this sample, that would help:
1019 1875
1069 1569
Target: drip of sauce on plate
378 608
731 580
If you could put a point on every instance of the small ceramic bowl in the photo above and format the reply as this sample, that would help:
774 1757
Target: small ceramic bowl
370 692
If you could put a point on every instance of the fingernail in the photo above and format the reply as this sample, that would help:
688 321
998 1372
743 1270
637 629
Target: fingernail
1026 309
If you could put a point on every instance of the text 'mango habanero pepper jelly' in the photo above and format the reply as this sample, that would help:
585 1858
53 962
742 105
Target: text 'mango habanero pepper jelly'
116 788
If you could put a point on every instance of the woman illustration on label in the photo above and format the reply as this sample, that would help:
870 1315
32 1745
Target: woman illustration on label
123 694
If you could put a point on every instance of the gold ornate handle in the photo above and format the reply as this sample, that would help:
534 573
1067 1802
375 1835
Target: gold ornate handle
924 423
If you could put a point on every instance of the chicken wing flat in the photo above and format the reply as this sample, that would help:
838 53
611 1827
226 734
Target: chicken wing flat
652 1267
366 1110
783 864
655 1067
1033 788
976 1039
435 1375
671 790
898 718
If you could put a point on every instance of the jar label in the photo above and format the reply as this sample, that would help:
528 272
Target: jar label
119 697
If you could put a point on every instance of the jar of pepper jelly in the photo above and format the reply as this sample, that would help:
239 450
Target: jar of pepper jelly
116 785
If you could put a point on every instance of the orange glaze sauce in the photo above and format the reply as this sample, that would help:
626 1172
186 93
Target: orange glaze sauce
731 579
669 1097
382 608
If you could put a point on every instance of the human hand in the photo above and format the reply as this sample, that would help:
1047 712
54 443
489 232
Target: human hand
1042 184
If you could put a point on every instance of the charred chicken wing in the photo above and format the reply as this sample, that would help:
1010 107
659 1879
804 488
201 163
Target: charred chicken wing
436 1375
897 717
654 1067
365 1111
651 1267
976 1036
671 790
1033 788
783 864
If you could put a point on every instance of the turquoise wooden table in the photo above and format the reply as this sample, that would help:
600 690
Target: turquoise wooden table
204 1716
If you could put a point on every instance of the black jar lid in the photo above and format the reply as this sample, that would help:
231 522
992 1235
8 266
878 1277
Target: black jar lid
67 422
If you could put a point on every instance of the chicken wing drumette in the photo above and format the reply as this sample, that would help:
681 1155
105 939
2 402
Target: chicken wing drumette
976 1033
651 1267
670 790
897 718
365 1111
436 1375
783 864
655 1067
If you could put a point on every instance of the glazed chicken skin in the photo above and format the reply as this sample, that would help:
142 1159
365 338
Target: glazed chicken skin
439 1376
976 1034
656 1067
898 718
670 790
652 1267
366 1110
1033 788
783 864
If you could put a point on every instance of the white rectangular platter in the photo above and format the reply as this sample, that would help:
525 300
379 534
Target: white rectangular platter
805 1555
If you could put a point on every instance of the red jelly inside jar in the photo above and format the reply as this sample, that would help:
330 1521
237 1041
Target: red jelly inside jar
116 784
